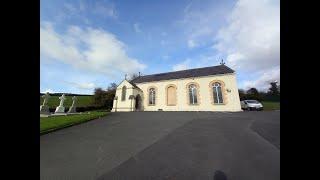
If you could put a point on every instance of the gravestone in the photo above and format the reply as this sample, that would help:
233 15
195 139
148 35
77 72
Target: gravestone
60 108
44 108
73 107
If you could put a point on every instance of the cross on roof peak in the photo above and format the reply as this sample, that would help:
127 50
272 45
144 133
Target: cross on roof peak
222 62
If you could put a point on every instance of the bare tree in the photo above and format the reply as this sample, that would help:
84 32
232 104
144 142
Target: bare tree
112 87
133 76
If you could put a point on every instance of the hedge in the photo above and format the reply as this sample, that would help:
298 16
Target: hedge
81 109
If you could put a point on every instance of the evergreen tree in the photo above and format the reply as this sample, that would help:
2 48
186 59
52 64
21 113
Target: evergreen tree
274 90
253 93
242 94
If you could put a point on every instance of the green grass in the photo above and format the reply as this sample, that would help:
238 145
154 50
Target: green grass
82 101
48 124
268 105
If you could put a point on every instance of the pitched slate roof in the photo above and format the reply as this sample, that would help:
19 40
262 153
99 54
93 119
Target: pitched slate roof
133 84
206 71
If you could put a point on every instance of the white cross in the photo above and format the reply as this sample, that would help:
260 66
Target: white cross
74 99
45 98
62 98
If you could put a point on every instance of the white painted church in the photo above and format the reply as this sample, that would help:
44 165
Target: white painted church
202 89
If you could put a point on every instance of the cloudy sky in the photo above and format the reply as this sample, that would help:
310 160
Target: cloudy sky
86 44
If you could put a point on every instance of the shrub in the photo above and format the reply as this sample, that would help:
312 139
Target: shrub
82 108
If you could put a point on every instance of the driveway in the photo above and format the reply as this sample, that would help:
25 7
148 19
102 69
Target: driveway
166 145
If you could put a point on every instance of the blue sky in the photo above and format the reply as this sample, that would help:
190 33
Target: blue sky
88 44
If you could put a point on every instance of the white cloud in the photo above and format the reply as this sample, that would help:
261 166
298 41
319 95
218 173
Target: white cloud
71 8
106 10
89 49
136 28
81 9
182 66
200 23
85 85
251 40
49 90
263 82
197 62
191 43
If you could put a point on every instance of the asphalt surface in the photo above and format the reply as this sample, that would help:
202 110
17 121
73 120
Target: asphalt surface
166 145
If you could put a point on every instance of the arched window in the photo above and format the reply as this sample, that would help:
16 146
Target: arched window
123 95
217 93
171 95
152 96
193 94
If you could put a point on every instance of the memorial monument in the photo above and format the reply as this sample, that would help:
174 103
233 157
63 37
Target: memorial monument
44 108
61 108
73 107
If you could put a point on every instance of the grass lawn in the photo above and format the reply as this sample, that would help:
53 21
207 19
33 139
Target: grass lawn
268 105
82 101
48 124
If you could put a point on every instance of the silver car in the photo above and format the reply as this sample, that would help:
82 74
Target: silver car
251 105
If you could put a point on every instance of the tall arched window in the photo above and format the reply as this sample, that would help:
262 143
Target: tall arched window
171 95
193 99
152 96
217 93
123 95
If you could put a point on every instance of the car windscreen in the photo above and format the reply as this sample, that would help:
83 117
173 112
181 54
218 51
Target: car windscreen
252 101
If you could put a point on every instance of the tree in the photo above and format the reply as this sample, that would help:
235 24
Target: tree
110 94
99 97
274 90
112 87
273 93
104 98
133 76
253 93
242 94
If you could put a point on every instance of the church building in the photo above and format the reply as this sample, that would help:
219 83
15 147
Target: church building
202 89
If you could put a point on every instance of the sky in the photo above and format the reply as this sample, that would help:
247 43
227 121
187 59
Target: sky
85 44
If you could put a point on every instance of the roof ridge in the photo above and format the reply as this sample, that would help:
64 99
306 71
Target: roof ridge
195 72
183 70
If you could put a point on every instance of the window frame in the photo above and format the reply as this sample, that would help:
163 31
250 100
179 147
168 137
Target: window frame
223 92
123 93
155 96
219 97
197 87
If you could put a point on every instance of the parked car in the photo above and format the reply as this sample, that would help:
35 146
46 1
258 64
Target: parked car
251 105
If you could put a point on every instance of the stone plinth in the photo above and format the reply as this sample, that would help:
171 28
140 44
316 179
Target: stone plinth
72 109
44 109
60 109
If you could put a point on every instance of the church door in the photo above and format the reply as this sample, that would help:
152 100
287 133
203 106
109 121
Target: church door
171 96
